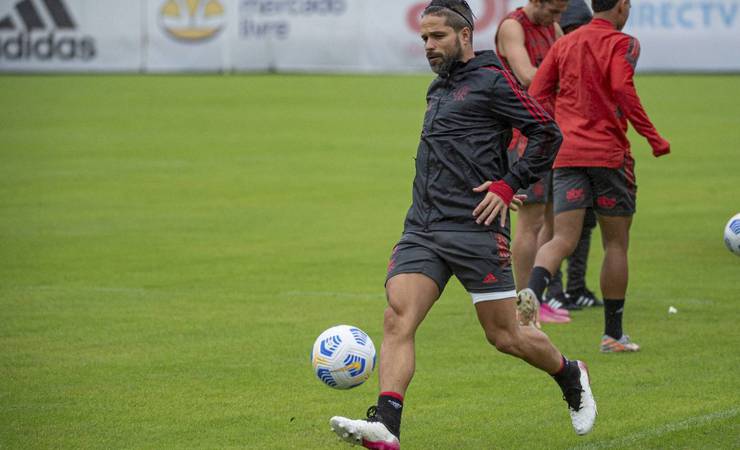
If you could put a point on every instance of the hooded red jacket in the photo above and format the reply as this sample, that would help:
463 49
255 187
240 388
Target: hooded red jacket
587 78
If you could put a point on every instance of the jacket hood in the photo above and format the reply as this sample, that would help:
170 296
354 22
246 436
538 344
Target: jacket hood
485 58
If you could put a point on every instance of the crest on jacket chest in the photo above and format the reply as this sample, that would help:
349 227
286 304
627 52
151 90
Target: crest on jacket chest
460 93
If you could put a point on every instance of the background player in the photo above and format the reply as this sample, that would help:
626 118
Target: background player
578 294
522 41
589 77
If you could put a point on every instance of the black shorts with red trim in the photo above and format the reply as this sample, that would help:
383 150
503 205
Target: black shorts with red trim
610 192
481 260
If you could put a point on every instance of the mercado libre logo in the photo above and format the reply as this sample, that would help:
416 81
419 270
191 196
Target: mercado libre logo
489 13
192 20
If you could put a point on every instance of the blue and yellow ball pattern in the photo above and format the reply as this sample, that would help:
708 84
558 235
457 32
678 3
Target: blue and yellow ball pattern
343 357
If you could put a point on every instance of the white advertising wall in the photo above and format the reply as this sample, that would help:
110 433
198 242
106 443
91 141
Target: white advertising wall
393 40
316 35
312 35
70 35
691 35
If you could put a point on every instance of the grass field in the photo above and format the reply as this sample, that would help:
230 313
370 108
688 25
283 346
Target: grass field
170 247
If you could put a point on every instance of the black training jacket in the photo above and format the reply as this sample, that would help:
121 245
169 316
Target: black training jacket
467 128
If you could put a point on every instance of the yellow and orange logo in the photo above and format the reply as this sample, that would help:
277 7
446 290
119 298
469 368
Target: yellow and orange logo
192 20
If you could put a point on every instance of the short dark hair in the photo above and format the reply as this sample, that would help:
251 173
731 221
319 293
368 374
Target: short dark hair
603 5
575 15
457 13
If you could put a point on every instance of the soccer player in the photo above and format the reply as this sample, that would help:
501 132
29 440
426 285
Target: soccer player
522 41
458 222
578 295
589 76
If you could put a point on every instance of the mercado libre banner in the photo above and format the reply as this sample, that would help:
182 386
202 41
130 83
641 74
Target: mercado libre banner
357 36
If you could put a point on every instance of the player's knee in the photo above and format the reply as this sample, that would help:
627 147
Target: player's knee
617 244
508 346
530 228
565 244
503 341
391 319
394 323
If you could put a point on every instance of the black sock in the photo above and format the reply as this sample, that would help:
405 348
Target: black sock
390 407
565 373
538 280
555 286
613 310
569 380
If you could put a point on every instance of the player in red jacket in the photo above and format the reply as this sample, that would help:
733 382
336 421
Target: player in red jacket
587 78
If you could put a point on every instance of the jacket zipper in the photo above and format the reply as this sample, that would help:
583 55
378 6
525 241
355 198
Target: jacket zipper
426 179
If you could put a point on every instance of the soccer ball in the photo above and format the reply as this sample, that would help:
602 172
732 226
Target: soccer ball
732 234
343 357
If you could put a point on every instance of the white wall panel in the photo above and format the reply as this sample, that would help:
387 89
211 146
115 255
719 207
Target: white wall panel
312 35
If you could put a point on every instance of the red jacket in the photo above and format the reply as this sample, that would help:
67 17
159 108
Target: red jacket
588 73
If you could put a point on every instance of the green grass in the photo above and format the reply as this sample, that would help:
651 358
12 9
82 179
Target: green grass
170 247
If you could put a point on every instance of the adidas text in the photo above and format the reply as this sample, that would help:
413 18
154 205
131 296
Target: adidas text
44 48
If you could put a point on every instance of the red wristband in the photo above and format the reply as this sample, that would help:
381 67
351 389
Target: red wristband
503 190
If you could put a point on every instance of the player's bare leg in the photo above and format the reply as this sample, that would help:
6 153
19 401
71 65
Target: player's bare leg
614 270
530 219
554 304
567 231
499 321
548 226
614 275
410 297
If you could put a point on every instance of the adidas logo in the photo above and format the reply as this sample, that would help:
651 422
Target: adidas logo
29 20
490 279
394 404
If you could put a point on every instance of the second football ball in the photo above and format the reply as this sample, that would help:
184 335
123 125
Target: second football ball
732 234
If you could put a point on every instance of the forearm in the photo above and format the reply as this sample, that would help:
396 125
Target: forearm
543 142
622 83
630 105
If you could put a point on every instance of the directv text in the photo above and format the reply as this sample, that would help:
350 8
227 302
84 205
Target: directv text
688 15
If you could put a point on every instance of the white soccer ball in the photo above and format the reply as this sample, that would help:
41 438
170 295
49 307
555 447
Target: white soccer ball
732 234
343 357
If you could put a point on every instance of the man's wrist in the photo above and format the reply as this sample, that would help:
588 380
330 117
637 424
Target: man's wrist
502 190
661 147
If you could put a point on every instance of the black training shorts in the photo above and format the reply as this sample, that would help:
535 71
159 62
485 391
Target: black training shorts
610 192
481 260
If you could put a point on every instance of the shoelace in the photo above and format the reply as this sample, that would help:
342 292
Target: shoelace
572 395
